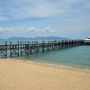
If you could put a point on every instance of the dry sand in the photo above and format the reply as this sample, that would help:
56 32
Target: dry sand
19 75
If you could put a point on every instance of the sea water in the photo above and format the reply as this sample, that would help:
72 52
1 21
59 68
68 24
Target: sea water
75 57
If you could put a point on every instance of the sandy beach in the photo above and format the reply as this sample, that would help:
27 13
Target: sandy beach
20 75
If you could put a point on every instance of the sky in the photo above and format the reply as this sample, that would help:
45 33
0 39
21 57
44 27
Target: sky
32 18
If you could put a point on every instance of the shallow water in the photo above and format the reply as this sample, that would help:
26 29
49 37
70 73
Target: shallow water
77 57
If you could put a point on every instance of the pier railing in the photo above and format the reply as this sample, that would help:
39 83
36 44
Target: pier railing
21 48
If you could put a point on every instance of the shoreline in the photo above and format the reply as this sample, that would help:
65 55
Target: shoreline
52 65
46 65
21 75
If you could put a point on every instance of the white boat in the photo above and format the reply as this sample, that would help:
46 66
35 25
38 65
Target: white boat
87 40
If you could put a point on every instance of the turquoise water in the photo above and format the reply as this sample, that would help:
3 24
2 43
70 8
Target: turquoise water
77 57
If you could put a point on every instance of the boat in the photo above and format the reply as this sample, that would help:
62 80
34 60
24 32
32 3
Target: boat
87 40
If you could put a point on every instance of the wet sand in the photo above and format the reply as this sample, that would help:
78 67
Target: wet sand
20 75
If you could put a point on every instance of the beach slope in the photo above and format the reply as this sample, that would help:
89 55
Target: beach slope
20 75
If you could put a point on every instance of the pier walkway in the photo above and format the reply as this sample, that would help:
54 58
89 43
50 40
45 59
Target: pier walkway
21 48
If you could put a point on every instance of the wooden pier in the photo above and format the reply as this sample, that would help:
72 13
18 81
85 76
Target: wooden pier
21 48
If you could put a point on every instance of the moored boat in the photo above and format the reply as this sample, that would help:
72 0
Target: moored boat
87 40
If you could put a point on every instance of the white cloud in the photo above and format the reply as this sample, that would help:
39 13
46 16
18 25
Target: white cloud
33 8
48 29
25 31
38 8
32 29
3 19
1 29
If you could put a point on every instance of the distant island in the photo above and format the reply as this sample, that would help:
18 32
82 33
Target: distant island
37 38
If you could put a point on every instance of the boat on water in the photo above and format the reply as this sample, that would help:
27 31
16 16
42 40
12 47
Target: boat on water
87 40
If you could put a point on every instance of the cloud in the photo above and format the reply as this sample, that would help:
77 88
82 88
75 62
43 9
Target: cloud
25 31
30 8
1 29
32 29
37 8
48 29
3 19
41 10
